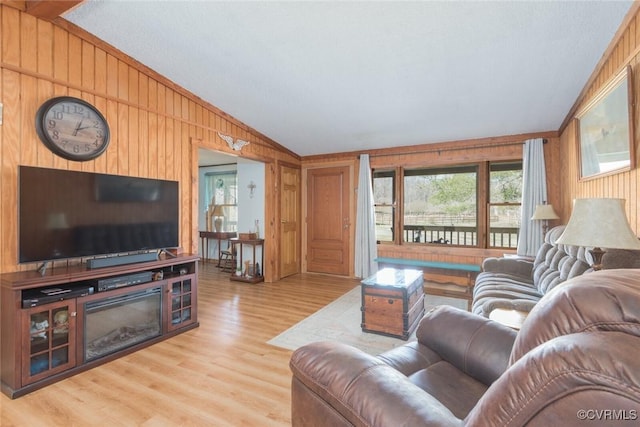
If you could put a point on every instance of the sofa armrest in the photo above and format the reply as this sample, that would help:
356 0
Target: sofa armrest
474 344
334 382
518 267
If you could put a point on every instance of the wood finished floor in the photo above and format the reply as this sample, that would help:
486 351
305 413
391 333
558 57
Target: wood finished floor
220 374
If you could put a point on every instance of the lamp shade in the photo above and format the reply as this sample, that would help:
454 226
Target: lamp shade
544 212
218 211
599 223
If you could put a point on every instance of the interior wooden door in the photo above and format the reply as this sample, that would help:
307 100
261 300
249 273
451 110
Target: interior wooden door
328 220
289 221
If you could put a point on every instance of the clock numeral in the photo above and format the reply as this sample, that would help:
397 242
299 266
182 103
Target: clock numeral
73 109
51 123
55 134
58 115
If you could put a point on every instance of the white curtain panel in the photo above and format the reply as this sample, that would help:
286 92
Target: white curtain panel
366 249
534 192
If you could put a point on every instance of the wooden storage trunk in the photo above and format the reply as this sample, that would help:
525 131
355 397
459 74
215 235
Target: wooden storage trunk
392 302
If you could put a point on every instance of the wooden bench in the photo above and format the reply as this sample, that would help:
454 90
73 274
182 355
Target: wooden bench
448 279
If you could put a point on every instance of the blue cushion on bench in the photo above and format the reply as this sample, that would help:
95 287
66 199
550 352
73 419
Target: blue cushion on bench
430 264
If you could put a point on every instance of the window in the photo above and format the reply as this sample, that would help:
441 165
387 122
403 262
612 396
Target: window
474 205
384 183
221 188
441 205
505 196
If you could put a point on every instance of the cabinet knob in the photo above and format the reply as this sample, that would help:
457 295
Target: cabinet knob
74 314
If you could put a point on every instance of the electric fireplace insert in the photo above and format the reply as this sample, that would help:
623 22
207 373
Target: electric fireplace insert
114 323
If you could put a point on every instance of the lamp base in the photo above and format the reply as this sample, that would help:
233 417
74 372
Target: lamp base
545 228
597 254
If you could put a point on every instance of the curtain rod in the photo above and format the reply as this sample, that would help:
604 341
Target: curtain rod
440 150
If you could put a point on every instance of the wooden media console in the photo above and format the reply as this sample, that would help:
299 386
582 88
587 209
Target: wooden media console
73 318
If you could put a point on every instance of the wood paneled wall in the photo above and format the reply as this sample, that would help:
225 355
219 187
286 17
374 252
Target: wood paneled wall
156 126
624 51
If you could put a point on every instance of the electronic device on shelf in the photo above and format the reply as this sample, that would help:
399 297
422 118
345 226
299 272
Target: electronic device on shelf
109 283
36 297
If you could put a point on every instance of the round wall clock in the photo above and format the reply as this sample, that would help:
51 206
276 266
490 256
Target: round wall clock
72 128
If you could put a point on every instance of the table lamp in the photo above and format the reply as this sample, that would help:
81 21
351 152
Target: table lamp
218 214
599 223
544 213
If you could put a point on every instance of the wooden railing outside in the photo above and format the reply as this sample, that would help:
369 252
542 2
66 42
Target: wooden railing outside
499 237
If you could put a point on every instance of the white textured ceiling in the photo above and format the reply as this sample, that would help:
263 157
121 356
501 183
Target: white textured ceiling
325 77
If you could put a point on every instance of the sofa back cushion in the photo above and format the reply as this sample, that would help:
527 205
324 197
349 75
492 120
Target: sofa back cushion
556 264
607 300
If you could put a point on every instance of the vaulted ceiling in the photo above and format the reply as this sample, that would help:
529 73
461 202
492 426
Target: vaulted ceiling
325 77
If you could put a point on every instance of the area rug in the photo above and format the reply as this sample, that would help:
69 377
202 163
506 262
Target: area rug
340 321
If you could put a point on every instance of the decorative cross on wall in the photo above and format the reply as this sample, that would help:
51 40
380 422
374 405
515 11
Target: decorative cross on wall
251 187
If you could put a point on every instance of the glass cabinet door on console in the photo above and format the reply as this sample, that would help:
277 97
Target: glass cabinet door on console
49 340
181 301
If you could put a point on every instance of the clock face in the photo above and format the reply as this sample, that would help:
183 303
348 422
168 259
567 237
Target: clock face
72 128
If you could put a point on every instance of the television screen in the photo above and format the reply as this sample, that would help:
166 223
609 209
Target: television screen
69 214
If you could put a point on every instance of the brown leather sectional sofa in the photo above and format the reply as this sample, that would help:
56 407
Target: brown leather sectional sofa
574 363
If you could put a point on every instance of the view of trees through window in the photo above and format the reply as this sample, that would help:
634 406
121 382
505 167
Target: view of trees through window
441 205
505 195
384 202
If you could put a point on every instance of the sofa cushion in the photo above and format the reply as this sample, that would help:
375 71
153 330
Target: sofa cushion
331 378
495 290
557 314
410 358
453 388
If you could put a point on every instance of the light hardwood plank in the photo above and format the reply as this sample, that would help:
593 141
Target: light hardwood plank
222 373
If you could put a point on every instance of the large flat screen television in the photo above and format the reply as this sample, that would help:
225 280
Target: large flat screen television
69 214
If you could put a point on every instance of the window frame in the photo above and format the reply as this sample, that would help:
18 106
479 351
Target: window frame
393 174
230 190
483 200
448 170
491 204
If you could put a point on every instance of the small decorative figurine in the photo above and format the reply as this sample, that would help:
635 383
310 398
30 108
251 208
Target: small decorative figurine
61 322
39 329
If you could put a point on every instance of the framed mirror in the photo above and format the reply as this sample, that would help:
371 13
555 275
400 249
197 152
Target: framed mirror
604 128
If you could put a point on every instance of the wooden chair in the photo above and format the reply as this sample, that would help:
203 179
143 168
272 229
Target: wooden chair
227 261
